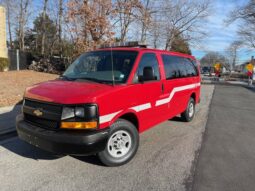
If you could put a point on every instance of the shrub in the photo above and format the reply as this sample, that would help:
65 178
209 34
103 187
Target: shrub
4 63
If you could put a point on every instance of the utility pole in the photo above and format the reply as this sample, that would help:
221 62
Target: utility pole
250 79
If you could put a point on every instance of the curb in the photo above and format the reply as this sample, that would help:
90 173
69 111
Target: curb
227 84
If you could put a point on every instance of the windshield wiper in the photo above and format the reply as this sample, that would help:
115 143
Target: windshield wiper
93 80
67 78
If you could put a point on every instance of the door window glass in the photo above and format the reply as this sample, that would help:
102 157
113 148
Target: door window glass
172 70
148 60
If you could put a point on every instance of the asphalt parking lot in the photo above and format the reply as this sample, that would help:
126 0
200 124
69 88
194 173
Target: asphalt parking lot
227 157
164 161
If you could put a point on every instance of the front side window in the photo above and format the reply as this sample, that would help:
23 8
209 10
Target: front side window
102 66
148 60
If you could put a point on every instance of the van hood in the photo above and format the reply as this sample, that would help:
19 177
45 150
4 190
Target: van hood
67 92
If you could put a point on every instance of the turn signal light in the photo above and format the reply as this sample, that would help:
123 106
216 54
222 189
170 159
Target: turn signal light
79 125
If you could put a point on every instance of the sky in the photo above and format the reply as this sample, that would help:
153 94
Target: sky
220 35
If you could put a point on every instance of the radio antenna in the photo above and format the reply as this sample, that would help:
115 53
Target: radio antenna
113 81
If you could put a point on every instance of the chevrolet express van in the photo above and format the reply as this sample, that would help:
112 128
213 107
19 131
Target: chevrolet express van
106 98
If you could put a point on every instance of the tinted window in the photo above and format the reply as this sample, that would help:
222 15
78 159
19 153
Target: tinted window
182 68
171 66
178 67
174 67
148 59
190 68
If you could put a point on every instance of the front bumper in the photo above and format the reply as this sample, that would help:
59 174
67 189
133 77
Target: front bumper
62 142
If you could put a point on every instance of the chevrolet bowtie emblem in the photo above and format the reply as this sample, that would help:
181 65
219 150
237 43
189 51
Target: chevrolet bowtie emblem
37 112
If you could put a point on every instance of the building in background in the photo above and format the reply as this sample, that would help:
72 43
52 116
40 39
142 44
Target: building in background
3 45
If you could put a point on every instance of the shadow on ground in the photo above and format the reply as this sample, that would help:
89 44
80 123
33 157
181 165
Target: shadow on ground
176 119
23 149
93 159
15 145
7 119
26 150
251 89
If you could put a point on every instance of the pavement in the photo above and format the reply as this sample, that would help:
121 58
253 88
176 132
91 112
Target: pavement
7 119
227 156
165 161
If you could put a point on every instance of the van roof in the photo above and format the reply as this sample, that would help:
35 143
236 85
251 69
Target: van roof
138 49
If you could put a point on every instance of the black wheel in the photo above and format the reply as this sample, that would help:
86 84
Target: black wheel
122 144
189 113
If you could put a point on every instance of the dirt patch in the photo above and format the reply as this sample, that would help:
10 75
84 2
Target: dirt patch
13 84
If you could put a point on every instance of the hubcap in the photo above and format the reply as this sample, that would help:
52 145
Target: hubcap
191 109
119 144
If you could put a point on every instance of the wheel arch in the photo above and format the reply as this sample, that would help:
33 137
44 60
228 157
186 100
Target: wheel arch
193 95
131 117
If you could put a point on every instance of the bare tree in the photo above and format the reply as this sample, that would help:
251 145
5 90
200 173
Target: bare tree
89 23
232 52
212 58
155 33
145 19
172 19
183 18
60 20
23 14
127 12
43 26
246 14
9 22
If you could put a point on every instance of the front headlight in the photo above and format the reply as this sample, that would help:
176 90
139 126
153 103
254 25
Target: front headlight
79 112
87 112
80 117
68 112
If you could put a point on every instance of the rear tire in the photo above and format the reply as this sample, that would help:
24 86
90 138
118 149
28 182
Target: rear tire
122 144
189 113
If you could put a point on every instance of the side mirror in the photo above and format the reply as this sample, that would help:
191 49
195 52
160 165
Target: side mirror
148 74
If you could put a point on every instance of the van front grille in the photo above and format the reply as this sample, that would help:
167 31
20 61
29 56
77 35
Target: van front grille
45 106
43 123
50 114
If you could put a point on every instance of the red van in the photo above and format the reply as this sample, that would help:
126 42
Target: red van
106 98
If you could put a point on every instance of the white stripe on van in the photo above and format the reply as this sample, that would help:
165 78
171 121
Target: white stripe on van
141 107
109 117
138 108
177 89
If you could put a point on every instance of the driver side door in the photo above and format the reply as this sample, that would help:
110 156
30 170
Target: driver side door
148 92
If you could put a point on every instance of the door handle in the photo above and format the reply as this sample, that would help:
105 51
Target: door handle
162 88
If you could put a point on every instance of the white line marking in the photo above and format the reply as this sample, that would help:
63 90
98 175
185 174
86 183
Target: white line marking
177 89
109 117
138 108
141 107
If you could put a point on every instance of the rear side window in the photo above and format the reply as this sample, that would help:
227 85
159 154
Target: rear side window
190 68
171 65
149 59
178 67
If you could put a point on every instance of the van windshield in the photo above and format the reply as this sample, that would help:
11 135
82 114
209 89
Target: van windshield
102 66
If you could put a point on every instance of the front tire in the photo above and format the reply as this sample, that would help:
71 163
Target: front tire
122 144
189 113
